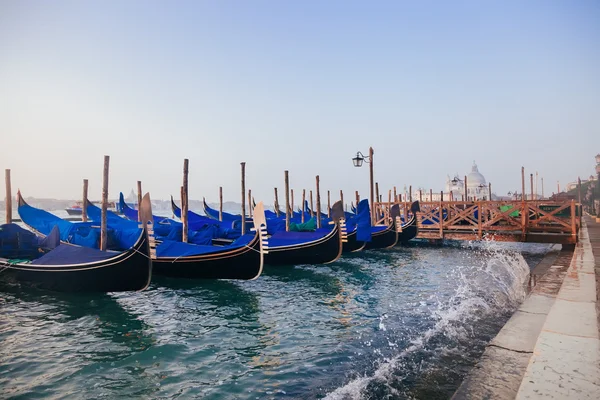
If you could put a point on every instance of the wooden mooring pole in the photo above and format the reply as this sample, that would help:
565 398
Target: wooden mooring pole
292 201
8 203
249 202
312 209
466 190
342 196
287 201
276 202
139 199
220 203
371 179
329 204
531 182
243 165
523 185
303 203
84 216
378 199
103 231
318 203
185 201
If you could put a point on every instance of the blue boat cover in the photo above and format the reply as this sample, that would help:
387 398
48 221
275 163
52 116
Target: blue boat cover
363 222
19 243
170 248
68 255
290 238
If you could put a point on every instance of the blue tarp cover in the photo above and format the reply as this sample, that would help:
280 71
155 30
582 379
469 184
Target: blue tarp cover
290 238
67 255
170 248
363 222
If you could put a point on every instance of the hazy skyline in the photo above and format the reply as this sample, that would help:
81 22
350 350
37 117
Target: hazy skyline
300 86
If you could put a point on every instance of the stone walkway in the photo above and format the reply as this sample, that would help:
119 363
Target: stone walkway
566 359
550 347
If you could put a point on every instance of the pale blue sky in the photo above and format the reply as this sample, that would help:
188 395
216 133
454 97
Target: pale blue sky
298 85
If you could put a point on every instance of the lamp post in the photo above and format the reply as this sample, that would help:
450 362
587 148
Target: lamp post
358 162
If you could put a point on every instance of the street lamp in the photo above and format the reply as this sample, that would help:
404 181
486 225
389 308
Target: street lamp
358 162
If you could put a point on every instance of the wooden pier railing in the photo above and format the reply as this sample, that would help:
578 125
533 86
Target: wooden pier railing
514 221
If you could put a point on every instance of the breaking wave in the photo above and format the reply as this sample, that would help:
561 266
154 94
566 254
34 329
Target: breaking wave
494 283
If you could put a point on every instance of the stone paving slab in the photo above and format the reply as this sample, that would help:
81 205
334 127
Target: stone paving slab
562 367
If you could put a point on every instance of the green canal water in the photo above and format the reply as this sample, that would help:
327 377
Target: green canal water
405 323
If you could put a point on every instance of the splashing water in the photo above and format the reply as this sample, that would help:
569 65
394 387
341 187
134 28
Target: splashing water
496 286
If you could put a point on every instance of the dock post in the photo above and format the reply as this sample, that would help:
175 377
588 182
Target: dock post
420 195
580 206
378 200
287 201
410 194
395 195
303 203
573 222
139 199
329 205
249 202
84 216
479 219
524 211
243 165
371 179
276 202
523 184
103 232
357 200
318 203
542 179
8 203
490 191
312 209
185 201
531 180
430 194
466 190
292 202
342 196
220 203
441 215
389 206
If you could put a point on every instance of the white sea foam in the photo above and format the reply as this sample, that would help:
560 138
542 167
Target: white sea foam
496 284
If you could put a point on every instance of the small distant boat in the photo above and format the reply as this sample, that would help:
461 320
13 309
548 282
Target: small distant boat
75 209
49 264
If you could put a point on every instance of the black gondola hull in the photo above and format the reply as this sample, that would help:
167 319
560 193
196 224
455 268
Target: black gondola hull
322 251
127 271
353 245
244 263
384 239
409 231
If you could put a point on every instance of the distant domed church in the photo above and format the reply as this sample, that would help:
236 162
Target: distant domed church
477 187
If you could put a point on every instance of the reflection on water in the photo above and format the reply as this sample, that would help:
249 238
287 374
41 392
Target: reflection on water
404 323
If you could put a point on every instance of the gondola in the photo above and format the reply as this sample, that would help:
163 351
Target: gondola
70 268
384 237
242 259
409 229
321 247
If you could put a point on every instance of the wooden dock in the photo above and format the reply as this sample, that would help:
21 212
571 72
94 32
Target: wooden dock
535 221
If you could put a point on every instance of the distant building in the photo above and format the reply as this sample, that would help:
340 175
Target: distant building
477 187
